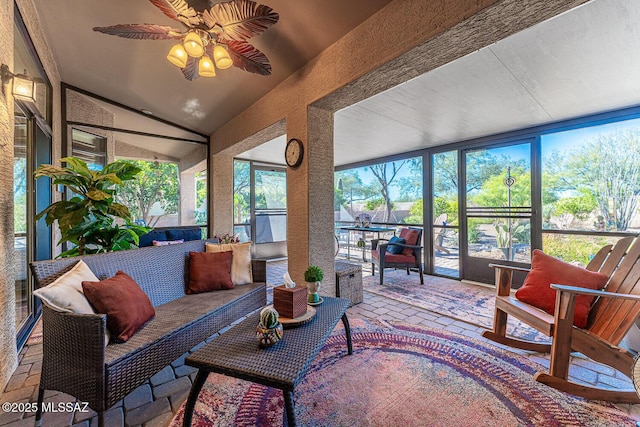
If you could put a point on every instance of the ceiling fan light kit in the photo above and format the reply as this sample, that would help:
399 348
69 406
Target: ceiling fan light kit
219 32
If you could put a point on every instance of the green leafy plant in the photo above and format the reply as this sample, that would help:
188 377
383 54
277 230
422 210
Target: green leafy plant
88 219
313 274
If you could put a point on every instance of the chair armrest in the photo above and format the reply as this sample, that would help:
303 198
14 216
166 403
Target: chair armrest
504 275
375 243
73 359
509 267
585 291
259 270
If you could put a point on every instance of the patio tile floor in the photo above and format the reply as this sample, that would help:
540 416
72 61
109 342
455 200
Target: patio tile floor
155 401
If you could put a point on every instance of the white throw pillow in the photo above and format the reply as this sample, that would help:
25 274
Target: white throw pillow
65 293
241 273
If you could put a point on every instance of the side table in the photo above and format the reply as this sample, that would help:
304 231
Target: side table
349 281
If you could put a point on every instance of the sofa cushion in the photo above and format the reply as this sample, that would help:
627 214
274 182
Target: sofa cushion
177 316
209 271
186 234
241 273
391 258
119 297
546 270
147 239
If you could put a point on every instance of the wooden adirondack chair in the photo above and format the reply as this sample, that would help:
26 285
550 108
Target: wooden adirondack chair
610 318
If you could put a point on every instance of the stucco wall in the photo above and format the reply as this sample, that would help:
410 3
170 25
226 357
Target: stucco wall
8 357
403 40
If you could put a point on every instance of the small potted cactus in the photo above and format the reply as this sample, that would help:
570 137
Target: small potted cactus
269 330
313 276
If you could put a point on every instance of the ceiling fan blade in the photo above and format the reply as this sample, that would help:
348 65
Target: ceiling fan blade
247 57
240 19
141 31
178 10
190 70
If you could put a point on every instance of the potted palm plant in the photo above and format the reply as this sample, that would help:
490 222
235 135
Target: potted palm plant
88 220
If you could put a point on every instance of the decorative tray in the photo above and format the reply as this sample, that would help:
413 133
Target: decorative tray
291 323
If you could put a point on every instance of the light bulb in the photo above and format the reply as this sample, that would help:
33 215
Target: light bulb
205 67
193 45
222 58
177 56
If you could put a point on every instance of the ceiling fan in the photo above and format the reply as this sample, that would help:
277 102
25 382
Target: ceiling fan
219 31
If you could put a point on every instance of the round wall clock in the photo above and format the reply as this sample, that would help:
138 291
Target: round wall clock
294 152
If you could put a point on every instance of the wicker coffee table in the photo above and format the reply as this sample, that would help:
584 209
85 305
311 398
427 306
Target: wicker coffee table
236 354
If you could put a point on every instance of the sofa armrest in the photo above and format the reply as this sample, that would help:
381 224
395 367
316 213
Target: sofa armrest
259 270
73 359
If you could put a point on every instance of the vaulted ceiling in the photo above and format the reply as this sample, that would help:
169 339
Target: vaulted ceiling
582 62
136 72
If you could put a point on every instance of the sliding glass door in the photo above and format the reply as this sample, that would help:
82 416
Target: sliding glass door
32 239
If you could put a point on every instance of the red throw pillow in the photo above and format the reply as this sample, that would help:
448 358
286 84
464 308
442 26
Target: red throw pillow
127 307
546 270
209 271
411 238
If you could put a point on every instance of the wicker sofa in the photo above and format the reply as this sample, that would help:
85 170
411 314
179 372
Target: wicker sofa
75 359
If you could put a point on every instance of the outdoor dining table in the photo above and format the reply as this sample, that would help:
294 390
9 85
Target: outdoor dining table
363 230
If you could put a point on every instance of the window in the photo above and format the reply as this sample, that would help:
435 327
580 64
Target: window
90 148
590 182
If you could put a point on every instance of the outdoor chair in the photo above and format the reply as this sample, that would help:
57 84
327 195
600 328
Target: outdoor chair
610 317
409 257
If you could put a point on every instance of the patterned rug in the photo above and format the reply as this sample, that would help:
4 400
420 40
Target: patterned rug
470 303
404 375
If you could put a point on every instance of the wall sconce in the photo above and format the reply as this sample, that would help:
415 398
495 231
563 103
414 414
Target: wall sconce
23 86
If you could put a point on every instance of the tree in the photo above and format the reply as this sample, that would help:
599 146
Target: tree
241 190
411 186
348 188
609 165
494 192
157 182
385 179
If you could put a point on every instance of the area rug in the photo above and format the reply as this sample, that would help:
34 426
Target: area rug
470 303
404 375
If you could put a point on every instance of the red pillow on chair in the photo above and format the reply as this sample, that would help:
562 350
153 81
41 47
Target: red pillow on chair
411 238
546 270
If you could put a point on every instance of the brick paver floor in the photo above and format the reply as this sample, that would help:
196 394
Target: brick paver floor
155 402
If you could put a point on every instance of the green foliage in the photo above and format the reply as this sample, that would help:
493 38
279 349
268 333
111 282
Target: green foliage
313 274
156 182
580 206
375 203
88 220
411 186
241 190
415 213
572 248
609 166
495 193
473 234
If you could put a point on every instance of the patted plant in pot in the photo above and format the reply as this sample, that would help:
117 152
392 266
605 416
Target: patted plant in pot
88 219
313 276
269 330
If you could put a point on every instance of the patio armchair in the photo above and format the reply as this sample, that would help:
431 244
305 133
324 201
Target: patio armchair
410 256
610 317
